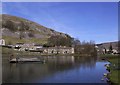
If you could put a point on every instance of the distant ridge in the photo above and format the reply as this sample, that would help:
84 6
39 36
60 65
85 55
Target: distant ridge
107 45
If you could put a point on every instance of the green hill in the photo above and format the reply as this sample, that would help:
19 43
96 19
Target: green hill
16 29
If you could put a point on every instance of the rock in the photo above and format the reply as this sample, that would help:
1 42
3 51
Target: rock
105 74
102 79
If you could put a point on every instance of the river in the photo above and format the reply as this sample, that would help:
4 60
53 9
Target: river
57 69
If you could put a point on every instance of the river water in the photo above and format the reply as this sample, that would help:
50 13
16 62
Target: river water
57 69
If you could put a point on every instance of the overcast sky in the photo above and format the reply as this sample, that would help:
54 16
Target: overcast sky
86 21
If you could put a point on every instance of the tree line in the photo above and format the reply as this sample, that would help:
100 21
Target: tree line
85 48
80 47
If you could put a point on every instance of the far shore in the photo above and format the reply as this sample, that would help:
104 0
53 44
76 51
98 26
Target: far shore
6 51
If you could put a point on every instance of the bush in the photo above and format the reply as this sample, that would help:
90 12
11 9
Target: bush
30 34
59 41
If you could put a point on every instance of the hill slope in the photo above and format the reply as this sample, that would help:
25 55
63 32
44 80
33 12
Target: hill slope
115 45
16 29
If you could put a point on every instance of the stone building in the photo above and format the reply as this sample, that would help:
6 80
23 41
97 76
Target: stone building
55 50
60 50
47 50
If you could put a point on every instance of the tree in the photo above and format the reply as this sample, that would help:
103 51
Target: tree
85 47
21 28
105 50
76 42
30 34
21 35
110 48
58 40
10 25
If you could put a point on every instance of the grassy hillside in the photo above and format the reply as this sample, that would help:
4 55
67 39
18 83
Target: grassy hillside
16 29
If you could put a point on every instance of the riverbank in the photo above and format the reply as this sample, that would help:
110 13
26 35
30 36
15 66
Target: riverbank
114 68
115 71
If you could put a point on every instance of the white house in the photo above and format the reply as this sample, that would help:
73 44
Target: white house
115 51
2 42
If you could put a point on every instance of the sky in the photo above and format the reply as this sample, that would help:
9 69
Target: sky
97 21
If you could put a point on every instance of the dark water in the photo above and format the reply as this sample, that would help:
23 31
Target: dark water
62 69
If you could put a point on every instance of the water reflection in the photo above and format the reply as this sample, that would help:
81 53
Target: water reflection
57 68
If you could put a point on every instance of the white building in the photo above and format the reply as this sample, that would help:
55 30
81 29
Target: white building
115 51
2 42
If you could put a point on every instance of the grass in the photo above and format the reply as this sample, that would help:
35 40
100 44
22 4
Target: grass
6 50
114 73
114 76
108 56
38 41
14 40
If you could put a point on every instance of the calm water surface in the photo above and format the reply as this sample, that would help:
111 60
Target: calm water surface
57 69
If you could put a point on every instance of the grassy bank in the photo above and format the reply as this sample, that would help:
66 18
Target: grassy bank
114 68
115 71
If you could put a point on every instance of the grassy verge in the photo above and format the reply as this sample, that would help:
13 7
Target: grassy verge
115 71
114 68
